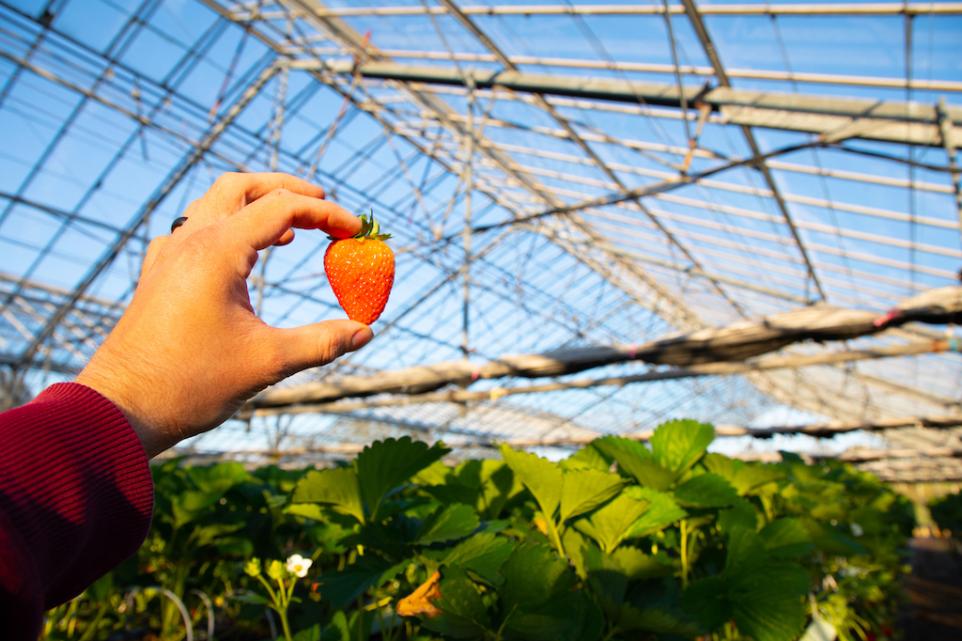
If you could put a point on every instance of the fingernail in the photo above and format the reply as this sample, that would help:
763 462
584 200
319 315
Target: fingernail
361 338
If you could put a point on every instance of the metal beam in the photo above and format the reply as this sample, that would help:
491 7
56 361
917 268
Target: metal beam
764 364
617 197
677 314
822 115
681 315
575 137
694 17
172 179
852 176
801 77
705 205
950 142
253 12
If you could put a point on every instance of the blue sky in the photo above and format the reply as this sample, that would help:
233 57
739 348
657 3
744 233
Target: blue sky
566 303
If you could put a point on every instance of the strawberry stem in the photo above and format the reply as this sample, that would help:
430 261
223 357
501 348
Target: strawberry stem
370 228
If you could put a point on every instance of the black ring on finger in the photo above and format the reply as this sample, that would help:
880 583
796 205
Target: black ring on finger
177 223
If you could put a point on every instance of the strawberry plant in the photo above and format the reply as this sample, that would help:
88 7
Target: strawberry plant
621 540
947 513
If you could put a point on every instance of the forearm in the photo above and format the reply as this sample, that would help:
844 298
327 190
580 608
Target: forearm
75 500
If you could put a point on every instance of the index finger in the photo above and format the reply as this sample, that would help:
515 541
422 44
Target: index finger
251 186
232 191
262 223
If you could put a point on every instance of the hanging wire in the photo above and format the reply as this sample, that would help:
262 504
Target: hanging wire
816 156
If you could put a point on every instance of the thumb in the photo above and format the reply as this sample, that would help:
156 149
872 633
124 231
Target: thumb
320 343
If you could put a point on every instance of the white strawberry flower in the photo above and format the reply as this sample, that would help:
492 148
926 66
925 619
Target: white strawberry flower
298 565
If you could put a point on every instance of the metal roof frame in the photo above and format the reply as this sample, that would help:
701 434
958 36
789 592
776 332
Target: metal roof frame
664 231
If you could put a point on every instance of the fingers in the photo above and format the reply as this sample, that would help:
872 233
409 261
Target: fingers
232 191
320 343
286 238
255 185
267 220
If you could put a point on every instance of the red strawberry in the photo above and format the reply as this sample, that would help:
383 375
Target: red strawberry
361 271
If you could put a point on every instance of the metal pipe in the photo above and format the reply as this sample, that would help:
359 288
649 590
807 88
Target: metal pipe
822 115
882 82
251 12
694 371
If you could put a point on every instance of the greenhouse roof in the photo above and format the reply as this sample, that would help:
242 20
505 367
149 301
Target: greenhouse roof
555 175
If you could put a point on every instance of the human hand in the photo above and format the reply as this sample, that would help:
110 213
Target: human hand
189 350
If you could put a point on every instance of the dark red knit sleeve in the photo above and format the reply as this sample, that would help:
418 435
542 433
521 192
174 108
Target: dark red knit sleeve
75 499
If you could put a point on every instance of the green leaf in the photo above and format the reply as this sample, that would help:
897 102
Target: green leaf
584 490
339 629
206 534
436 473
637 565
611 524
463 612
587 458
491 483
607 580
218 478
706 600
655 620
746 478
385 465
337 487
341 588
770 606
829 540
741 515
662 512
635 459
764 596
565 617
786 539
744 551
532 575
211 482
677 445
482 554
706 490
311 511
541 477
453 522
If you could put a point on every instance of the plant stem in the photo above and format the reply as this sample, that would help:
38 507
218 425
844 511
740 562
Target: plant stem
72 618
554 536
285 626
270 591
92 627
684 553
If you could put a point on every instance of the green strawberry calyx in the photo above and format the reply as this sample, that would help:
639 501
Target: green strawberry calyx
370 230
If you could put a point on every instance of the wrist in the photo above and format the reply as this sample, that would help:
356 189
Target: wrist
106 384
